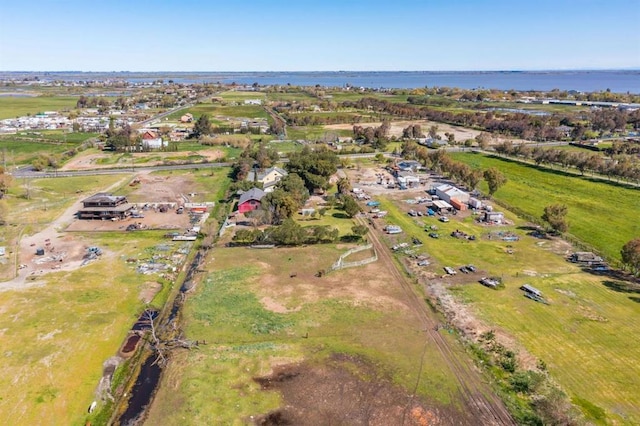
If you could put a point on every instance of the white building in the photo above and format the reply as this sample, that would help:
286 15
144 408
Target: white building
446 192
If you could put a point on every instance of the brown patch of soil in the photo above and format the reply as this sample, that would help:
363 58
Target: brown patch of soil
149 291
346 390
91 161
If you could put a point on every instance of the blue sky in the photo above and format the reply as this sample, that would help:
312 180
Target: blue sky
318 35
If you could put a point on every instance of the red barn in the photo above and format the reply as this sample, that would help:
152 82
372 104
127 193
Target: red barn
250 200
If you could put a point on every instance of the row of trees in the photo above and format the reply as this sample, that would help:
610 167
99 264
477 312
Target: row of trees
439 161
377 137
625 167
289 233
525 126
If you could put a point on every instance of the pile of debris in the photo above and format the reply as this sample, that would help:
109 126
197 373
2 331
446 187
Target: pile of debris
91 254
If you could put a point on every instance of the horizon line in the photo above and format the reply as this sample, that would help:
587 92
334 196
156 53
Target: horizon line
333 71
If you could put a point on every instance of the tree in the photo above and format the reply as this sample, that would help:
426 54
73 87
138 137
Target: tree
433 132
631 255
350 206
280 204
3 212
359 230
293 185
483 140
556 216
495 179
344 185
202 127
5 182
314 167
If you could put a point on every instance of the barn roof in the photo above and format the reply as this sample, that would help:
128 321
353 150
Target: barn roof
252 194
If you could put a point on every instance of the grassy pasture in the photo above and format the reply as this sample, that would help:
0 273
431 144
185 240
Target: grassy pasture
602 214
586 335
285 146
233 311
314 132
233 95
237 111
12 107
56 336
291 97
17 152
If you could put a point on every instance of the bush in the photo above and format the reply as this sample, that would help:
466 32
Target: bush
525 381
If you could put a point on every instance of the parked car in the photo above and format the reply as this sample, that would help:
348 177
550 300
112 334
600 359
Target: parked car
449 270
424 263
471 268
434 235
444 219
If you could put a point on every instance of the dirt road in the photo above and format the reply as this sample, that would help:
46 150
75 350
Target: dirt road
481 404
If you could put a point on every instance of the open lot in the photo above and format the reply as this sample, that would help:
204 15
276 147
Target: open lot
64 315
265 315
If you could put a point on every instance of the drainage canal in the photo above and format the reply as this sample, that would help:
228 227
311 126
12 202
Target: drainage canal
146 383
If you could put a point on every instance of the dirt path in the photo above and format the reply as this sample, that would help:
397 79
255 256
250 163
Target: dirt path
53 234
481 403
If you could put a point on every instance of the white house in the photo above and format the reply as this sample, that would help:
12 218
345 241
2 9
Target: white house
269 177
151 140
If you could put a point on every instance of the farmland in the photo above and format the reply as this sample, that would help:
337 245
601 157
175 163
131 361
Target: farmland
584 335
61 323
600 214
255 316
12 107
262 314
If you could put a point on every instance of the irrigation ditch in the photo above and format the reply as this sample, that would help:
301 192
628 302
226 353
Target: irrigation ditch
163 333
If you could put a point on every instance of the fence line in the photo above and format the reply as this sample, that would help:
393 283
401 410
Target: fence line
341 264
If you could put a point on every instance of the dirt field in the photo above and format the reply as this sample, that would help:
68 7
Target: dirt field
334 393
66 250
91 161
461 134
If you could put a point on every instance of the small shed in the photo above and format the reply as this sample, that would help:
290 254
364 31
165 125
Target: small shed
494 217
442 205
39 251
474 203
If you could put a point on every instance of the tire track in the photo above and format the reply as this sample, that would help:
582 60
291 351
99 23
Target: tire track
483 406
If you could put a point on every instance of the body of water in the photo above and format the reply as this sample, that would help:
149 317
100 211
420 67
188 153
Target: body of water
619 81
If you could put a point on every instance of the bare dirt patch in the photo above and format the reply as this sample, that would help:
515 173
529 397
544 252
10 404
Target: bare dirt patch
149 291
99 161
346 390
303 285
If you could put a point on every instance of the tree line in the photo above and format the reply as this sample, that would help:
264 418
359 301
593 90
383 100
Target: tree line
619 166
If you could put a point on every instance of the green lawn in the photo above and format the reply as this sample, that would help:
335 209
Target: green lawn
603 215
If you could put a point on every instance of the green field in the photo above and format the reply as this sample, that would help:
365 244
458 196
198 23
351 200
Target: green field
601 214
57 335
59 329
585 335
12 107
245 335
213 110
